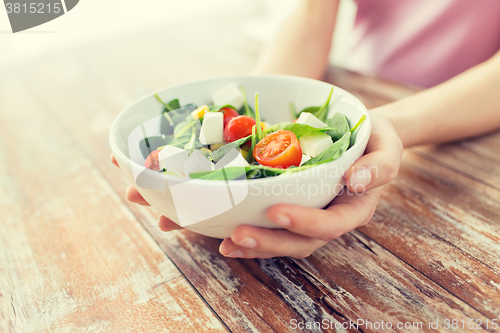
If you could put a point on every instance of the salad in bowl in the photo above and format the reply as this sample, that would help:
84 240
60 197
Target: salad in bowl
210 159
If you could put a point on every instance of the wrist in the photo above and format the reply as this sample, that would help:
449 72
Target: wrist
405 122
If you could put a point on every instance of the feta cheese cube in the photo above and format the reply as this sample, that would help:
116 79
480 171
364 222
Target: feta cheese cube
197 162
212 129
304 159
311 120
230 94
232 159
173 159
315 143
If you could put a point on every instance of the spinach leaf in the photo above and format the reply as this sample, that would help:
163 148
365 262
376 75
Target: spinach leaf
252 172
297 129
258 132
333 152
174 105
147 145
170 106
172 118
339 126
246 110
354 131
191 145
293 111
219 153
181 129
319 111
178 142
250 158
230 173
215 108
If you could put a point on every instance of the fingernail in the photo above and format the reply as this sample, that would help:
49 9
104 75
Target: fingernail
282 220
235 254
248 242
361 176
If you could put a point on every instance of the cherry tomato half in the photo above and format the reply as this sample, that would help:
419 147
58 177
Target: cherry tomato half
238 127
152 161
229 113
280 149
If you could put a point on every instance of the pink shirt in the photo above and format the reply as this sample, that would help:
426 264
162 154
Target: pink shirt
424 42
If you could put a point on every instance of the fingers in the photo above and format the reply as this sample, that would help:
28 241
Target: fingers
113 160
381 162
134 196
166 224
253 242
347 212
307 228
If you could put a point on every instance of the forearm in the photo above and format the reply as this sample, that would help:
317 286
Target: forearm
302 45
464 106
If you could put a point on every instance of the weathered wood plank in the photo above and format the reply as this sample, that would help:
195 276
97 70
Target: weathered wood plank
350 279
445 225
477 158
72 256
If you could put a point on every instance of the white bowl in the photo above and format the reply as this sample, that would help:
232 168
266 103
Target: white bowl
215 208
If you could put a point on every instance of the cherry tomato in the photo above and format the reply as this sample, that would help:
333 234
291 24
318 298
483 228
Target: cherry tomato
152 161
280 149
229 113
238 127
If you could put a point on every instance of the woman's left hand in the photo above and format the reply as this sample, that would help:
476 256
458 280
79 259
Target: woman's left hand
306 229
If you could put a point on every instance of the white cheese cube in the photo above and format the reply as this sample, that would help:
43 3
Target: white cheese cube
230 94
304 159
197 162
232 159
315 143
212 129
311 120
173 159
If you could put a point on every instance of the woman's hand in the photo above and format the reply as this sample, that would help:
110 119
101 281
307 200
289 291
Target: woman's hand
306 229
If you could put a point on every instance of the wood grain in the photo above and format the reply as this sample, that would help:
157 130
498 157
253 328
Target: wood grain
73 258
446 226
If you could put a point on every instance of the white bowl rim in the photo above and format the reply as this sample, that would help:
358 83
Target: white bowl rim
161 176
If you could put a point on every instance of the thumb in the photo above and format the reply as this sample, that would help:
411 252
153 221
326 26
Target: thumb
381 161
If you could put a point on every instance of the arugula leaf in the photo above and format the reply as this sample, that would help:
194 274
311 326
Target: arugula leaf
319 111
219 153
246 110
333 152
339 126
297 129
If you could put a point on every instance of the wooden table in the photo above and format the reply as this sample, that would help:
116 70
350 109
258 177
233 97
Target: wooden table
75 256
